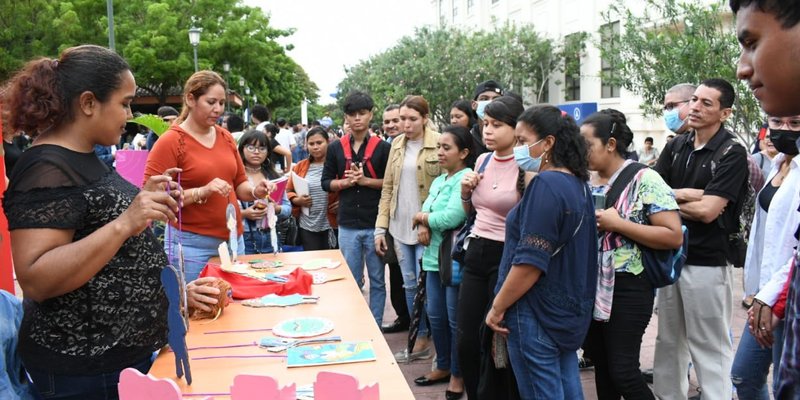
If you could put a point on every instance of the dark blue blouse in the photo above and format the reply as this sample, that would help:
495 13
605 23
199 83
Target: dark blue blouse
556 210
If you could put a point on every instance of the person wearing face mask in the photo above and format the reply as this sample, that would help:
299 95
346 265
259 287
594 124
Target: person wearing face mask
548 273
490 194
676 110
768 262
484 93
646 215
767 152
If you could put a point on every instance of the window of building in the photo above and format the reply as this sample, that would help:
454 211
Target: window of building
609 33
455 10
572 68
495 1
470 6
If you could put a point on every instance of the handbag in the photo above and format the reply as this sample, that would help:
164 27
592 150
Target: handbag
462 235
661 267
287 231
449 269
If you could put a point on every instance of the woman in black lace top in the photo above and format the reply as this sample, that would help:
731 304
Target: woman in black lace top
88 264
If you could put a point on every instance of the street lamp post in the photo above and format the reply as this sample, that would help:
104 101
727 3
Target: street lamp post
226 66
194 39
247 102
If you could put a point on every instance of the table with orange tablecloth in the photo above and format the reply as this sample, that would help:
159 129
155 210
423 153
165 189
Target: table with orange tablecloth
340 301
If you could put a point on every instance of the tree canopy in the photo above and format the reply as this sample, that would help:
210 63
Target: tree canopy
152 35
444 65
672 43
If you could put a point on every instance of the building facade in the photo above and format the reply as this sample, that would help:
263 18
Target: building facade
557 19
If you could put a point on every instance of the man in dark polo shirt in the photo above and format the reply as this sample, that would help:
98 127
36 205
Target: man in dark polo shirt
694 314
359 193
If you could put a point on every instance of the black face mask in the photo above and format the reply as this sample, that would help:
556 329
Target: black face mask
785 141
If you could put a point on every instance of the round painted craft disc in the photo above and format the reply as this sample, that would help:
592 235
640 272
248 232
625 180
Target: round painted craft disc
303 327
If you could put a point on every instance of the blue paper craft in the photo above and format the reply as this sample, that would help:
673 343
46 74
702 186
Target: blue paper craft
175 322
303 327
329 354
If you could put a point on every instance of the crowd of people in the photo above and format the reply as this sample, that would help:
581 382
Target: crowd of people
551 226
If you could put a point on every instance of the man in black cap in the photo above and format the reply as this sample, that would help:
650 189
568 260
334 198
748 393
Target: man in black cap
484 93
168 114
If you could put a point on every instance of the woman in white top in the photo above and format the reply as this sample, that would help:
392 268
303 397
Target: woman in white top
769 253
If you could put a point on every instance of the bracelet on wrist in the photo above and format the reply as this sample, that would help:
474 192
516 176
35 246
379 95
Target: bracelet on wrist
196 197
466 200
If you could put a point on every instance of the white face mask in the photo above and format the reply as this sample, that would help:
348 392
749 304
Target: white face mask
480 109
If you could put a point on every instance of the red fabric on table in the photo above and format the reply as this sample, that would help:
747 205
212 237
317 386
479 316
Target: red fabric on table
299 282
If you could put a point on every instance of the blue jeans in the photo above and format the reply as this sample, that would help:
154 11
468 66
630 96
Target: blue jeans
258 242
197 250
358 247
442 306
751 365
542 370
408 256
90 387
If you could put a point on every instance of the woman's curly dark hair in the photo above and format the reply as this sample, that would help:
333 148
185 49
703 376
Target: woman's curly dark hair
569 150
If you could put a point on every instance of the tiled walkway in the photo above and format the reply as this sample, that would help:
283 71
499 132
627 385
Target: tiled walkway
397 342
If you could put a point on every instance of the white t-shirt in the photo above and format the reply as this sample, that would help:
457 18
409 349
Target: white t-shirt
286 138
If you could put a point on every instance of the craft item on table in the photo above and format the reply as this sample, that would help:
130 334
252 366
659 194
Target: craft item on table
133 385
263 264
224 297
252 387
176 323
237 331
329 354
321 277
245 287
303 327
277 345
274 300
320 263
223 346
338 386
233 232
238 356
276 278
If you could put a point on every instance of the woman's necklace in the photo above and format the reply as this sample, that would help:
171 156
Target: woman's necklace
252 170
500 159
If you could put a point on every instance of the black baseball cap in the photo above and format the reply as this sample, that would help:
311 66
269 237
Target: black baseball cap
487 86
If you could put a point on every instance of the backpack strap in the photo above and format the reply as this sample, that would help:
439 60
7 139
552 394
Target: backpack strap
372 144
485 162
621 182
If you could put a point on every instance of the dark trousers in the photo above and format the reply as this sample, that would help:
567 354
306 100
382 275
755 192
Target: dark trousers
477 292
614 346
397 294
313 240
81 387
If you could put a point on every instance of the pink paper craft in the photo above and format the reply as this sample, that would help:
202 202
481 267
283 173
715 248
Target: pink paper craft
255 387
130 165
336 386
280 188
133 385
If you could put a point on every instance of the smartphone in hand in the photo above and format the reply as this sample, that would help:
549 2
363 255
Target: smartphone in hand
599 201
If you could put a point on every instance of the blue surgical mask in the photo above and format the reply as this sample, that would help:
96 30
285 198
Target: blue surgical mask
522 155
673 120
481 108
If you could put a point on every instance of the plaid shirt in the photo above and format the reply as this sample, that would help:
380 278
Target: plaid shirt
789 378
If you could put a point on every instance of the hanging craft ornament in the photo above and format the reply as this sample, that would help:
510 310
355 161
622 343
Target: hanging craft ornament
174 282
272 219
233 237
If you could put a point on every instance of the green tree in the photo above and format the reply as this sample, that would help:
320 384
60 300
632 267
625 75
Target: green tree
444 65
672 43
152 35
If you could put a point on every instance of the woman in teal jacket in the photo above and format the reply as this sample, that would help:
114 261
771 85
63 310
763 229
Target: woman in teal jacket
443 211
